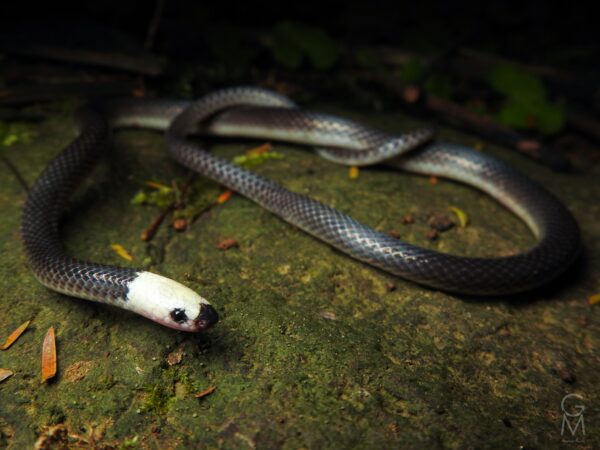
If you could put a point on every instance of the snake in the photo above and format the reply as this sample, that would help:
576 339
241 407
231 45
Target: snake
253 112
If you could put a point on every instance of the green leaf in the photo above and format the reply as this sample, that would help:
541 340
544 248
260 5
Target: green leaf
11 133
251 160
540 114
514 115
514 82
551 118
139 198
411 71
526 105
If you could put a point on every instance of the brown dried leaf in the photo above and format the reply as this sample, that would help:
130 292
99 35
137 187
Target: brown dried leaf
175 356
4 374
49 355
15 335
226 244
206 392
78 371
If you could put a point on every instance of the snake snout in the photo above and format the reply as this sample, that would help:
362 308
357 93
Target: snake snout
207 317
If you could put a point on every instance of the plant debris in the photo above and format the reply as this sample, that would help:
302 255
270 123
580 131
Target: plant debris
161 195
175 356
55 436
353 172
180 224
408 219
120 250
255 156
172 199
226 244
77 371
224 196
394 234
463 218
15 335
432 235
206 392
593 299
49 356
440 222
4 374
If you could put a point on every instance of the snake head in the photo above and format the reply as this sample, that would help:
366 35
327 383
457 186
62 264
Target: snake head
169 303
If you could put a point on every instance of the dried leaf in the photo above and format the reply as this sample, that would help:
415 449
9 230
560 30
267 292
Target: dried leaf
176 356
593 299
49 356
264 148
463 218
157 185
180 224
77 371
224 196
120 250
353 172
433 179
15 335
206 392
226 244
4 374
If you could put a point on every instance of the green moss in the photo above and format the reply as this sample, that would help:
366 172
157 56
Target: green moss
313 349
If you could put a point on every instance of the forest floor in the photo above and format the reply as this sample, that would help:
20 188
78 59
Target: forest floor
313 349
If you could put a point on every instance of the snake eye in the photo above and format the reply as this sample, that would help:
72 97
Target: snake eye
179 315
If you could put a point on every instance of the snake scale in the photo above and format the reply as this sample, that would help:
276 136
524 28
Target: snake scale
259 113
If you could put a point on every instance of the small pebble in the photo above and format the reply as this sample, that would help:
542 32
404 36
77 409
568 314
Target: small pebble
440 222
408 219
432 235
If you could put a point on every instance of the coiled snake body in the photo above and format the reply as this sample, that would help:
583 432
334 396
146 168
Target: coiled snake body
255 112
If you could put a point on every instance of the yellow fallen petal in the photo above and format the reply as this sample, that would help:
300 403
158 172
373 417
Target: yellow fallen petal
120 250
15 335
593 299
353 172
463 219
49 355
4 374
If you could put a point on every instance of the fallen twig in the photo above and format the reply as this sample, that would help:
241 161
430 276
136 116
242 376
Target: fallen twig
149 233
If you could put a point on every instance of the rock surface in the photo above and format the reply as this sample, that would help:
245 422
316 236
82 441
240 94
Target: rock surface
313 349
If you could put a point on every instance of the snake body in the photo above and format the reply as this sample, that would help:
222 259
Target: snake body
259 113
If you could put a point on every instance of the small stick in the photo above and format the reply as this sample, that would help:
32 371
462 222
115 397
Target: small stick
149 233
